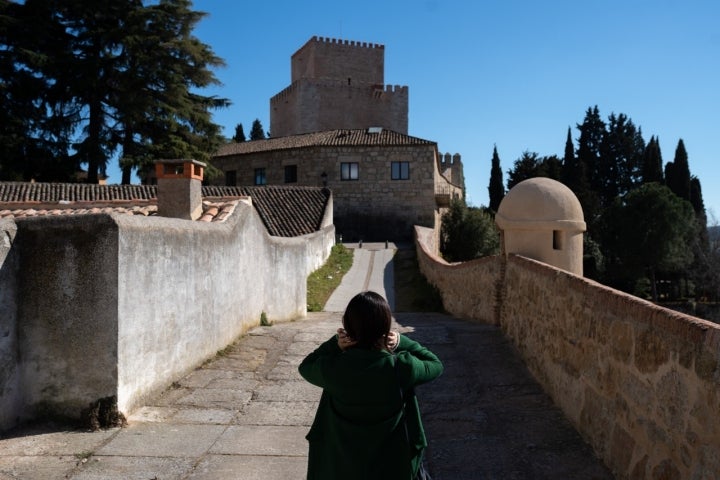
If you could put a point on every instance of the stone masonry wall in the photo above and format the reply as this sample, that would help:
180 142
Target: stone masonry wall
639 382
362 63
375 207
317 105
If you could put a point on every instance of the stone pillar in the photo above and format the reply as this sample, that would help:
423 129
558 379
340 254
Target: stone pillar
179 188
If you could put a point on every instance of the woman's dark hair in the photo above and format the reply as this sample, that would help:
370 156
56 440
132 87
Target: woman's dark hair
367 319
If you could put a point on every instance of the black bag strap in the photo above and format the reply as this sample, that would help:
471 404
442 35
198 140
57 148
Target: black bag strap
402 399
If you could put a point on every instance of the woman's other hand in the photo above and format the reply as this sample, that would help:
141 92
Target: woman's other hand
344 340
392 340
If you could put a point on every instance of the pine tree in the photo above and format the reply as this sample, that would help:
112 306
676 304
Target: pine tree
116 74
496 190
257 132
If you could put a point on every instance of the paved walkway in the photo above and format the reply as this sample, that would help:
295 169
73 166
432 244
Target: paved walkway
244 415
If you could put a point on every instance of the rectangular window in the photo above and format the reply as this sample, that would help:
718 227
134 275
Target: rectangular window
557 240
260 176
231 178
400 170
349 171
291 174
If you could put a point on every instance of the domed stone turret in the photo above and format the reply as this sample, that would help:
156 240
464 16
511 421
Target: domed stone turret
542 219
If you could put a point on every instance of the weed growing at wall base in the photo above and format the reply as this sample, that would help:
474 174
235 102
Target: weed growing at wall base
323 281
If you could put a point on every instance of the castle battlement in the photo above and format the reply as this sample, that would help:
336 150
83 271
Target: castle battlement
351 43
289 91
338 83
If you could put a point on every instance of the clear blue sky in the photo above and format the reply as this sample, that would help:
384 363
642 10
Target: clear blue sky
511 73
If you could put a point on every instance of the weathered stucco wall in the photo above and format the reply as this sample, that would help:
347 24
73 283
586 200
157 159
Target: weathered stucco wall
67 315
124 305
10 395
640 382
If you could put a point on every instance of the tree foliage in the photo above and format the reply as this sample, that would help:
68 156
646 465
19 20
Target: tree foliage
647 232
256 131
496 189
109 78
531 164
239 136
622 187
677 172
467 233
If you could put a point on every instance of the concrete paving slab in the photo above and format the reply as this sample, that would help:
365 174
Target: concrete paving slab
38 442
207 416
36 467
289 392
224 467
203 376
216 397
162 440
265 440
152 414
278 413
134 468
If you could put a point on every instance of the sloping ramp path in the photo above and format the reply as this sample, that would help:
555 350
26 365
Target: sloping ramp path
245 414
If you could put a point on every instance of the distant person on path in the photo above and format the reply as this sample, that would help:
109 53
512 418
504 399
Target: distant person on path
359 432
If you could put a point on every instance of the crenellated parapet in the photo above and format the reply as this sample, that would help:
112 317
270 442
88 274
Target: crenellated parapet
451 168
338 41
337 83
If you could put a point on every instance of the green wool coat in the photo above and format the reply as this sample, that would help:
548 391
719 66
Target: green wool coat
358 433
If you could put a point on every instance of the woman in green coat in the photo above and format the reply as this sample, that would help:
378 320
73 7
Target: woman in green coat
358 432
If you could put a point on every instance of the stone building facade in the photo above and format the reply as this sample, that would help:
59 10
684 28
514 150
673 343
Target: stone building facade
338 84
383 182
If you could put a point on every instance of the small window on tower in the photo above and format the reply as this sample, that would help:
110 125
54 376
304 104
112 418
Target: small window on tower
557 240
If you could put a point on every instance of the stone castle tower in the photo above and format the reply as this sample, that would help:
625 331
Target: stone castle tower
338 84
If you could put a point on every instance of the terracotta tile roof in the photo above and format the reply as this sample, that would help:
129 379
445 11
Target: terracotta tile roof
336 138
285 211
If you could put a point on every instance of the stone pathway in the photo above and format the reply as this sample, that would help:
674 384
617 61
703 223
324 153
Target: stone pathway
244 414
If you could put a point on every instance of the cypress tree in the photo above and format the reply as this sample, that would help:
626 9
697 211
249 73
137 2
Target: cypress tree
677 173
652 169
239 136
496 190
257 132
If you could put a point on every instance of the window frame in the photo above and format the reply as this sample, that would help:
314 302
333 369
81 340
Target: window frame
353 171
260 176
400 174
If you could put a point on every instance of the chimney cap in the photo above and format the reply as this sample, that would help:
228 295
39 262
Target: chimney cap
179 168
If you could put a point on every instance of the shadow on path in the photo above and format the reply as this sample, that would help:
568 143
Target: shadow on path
486 417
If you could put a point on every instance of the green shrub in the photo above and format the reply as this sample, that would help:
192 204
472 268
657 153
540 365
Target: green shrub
323 281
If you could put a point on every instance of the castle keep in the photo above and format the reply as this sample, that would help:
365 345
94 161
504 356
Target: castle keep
338 126
338 84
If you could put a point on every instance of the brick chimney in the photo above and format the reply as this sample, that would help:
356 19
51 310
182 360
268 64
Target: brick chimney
179 188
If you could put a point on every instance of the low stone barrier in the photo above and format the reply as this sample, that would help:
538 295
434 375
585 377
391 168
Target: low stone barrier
639 382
